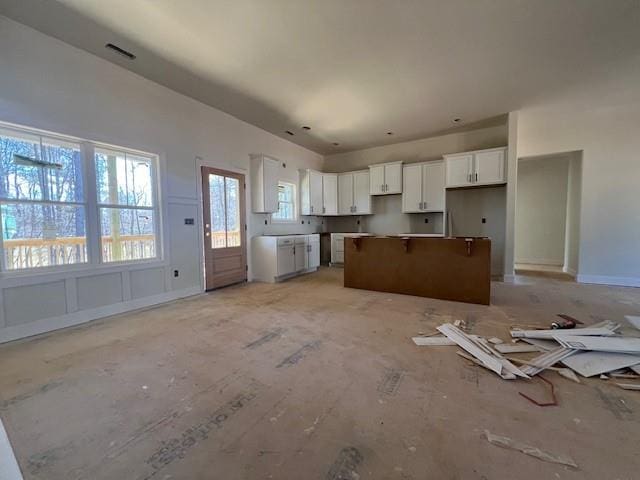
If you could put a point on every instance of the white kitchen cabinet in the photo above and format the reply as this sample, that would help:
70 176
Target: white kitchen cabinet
264 184
489 167
329 194
345 194
313 246
318 193
361 196
353 193
412 188
385 178
459 170
277 258
423 187
482 167
301 253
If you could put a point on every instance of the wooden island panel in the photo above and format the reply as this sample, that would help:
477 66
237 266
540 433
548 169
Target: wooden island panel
456 269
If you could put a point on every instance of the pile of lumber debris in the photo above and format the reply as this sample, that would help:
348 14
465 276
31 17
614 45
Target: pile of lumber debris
598 349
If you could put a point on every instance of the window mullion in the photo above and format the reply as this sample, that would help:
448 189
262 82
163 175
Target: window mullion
92 214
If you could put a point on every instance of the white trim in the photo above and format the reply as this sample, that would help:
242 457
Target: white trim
71 292
570 271
605 280
2 317
9 469
54 323
540 261
126 285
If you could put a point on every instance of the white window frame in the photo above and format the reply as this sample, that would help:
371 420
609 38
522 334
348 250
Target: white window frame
92 213
294 202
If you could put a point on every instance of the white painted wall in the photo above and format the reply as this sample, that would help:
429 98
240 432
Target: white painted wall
601 119
541 210
574 208
47 84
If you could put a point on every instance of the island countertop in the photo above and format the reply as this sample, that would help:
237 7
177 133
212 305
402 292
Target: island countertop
447 268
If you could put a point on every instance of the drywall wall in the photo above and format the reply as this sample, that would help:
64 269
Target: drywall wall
601 119
387 209
468 207
574 205
418 150
47 84
541 210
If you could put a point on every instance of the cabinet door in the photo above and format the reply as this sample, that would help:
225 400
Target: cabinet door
459 170
270 184
345 193
361 196
301 255
433 186
286 260
489 167
330 194
315 192
393 178
376 180
412 188
314 251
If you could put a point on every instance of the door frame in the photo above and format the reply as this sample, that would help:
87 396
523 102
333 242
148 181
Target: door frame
199 163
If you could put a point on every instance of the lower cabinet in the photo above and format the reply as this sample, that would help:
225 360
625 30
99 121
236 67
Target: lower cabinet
276 258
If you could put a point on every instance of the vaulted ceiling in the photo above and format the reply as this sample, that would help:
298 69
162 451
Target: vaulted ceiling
352 70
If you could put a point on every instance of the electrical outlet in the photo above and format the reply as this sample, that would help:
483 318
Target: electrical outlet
189 221
176 273
484 220
426 220
266 222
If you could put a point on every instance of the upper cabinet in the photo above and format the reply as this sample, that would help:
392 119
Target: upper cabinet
264 184
353 193
385 178
483 167
423 187
318 193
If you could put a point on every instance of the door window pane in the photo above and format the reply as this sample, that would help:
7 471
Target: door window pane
233 212
217 208
43 235
127 234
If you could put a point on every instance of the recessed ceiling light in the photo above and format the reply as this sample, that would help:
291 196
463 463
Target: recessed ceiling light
336 144
289 132
304 127
120 51
457 120
389 133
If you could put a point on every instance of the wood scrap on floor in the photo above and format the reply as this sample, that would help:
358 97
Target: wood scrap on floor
506 442
553 334
514 348
629 386
590 364
431 341
546 360
629 345
633 320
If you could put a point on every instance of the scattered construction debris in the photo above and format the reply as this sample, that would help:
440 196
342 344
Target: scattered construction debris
589 351
552 403
506 442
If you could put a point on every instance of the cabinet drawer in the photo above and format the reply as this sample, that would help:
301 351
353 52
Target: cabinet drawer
285 241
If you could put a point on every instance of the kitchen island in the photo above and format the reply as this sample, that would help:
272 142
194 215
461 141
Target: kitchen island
457 268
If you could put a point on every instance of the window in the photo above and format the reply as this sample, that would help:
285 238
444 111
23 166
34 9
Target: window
42 201
48 220
286 203
224 205
124 185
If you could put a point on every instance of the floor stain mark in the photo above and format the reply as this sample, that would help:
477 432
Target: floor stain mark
390 382
470 374
24 396
177 447
42 460
345 467
299 354
265 338
577 302
533 298
616 405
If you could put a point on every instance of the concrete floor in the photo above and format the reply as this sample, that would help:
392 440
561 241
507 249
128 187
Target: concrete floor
306 380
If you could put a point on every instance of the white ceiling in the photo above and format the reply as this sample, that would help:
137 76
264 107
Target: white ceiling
352 70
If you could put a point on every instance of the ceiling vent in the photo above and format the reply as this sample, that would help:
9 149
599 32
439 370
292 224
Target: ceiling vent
120 51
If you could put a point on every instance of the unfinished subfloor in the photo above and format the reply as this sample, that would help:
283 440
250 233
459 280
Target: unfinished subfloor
306 380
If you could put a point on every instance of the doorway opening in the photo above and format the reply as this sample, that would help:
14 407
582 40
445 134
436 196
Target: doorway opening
547 220
225 245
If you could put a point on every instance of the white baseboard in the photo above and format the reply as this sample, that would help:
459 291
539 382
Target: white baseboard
45 325
604 280
570 271
9 469
540 261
